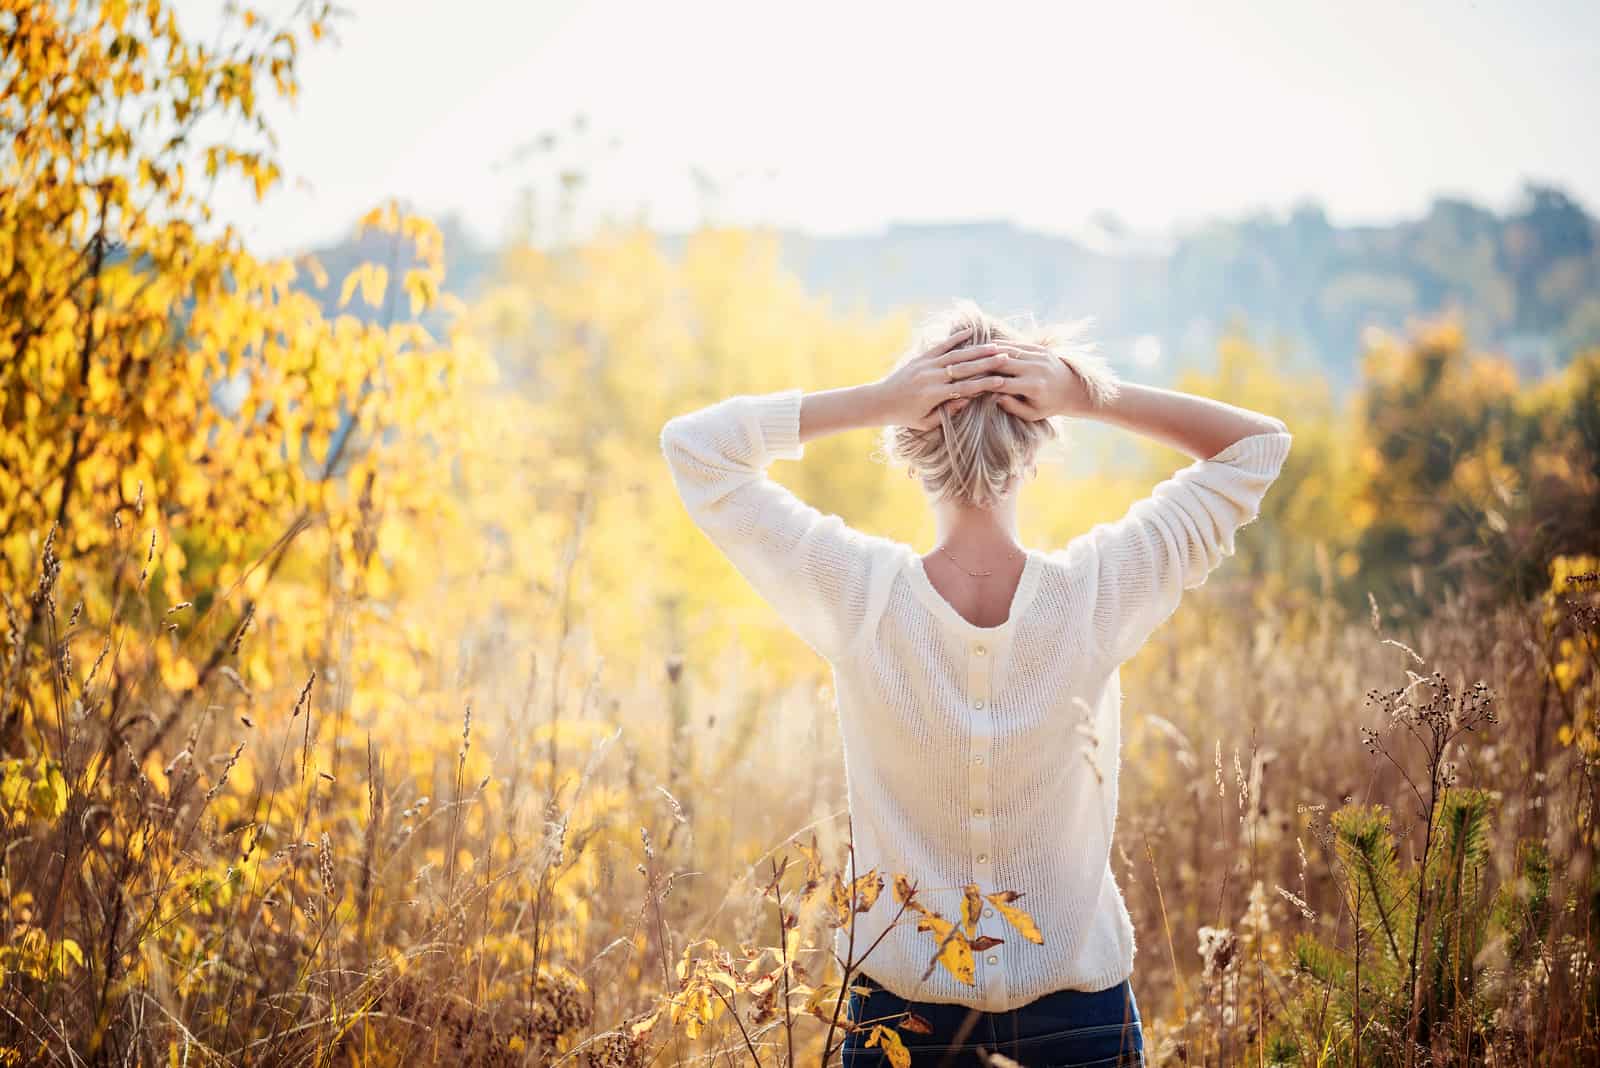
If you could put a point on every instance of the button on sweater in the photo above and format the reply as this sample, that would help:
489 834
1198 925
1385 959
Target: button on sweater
972 754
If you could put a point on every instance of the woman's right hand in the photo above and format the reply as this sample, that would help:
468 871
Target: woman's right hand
1042 384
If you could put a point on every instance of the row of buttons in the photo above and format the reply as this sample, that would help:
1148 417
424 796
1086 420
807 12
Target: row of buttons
978 689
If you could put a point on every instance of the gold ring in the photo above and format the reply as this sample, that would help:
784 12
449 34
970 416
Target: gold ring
955 394
949 373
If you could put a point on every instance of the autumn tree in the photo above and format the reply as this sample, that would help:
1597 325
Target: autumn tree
190 451
1468 473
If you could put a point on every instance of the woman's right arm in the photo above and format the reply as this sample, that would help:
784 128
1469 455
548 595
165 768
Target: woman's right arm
1195 425
1171 540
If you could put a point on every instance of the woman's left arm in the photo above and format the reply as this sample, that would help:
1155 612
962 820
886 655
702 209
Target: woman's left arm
811 567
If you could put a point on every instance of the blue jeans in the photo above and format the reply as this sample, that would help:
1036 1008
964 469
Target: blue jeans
1065 1029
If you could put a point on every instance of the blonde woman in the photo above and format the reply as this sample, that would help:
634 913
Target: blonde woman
977 683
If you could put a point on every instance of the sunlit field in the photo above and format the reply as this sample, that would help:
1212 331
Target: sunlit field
367 696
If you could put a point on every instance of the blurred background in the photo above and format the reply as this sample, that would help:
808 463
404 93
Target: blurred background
1308 170
368 694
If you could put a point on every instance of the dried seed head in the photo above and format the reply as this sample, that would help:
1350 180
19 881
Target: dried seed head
304 698
244 625
49 572
1217 950
325 865
223 778
1297 902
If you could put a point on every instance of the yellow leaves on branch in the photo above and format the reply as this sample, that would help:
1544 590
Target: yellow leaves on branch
31 952
31 789
955 946
422 284
174 391
372 278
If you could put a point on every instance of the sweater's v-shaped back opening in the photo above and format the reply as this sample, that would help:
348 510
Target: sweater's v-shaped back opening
922 585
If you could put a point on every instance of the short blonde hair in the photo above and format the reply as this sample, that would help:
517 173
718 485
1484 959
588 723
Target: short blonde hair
974 456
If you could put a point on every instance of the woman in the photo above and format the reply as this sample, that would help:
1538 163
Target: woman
977 684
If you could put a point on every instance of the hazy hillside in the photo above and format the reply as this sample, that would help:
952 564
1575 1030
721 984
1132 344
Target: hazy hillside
1527 282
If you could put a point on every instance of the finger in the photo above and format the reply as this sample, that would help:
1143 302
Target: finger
1000 363
971 352
970 386
1017 406
950 342
1027 348
951 405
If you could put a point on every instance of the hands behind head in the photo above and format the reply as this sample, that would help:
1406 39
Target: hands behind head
1033 382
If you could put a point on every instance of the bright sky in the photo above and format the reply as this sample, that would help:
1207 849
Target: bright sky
844 116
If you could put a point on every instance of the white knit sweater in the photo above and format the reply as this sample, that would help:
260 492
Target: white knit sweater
973 754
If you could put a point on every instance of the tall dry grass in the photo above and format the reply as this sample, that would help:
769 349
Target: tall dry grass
650 871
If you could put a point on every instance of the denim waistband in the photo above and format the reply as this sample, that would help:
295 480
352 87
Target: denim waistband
1057 1010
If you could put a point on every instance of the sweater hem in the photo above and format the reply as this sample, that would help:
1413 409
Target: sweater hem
1091 983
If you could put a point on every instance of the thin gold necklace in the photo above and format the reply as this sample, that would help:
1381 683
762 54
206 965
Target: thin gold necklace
974 574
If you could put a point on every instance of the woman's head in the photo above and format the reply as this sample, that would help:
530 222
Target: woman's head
978 455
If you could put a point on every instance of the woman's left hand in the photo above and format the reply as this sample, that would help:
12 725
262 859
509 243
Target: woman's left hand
946 373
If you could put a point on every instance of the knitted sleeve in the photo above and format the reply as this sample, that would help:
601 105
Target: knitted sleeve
1171 540
812 568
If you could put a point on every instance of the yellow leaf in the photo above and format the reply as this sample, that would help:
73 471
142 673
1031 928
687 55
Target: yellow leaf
956 954
49 791
889 1038
67 950
1016 917
383 217
815 999
971 906
791 943
419 290
903 893
319 276
374 280
866 889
